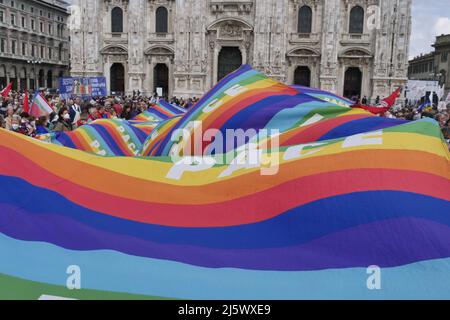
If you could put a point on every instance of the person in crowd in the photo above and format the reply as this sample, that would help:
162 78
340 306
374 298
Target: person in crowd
53 120
75 111
446 133
113 113
9 117
93 114
143 105
42 125
364 101
126 113
117 107
64 122
27 124
377 100
3 105
103 113
15 124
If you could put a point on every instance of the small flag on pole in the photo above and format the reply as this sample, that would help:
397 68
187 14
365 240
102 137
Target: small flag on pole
425 105
26 104
40 106
5 92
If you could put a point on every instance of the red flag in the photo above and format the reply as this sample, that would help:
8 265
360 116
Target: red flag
383 106
372 109
390 101
26 104
5 92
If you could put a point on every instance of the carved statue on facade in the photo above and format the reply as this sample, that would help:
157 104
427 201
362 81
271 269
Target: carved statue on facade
230 30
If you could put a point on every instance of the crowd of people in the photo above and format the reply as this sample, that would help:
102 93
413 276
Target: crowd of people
437 110
69 114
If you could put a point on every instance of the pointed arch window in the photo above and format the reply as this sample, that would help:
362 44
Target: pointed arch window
117 20
357 20
162 20
305 20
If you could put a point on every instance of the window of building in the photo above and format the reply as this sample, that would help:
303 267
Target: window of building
13 19
117 20
40 13
50 29
24 49
13 46
41 27
23 22
50 53
33 26
162 20
60 51
12 4
2 45
444 57
305 20
356 20
42 52
23 7
33 50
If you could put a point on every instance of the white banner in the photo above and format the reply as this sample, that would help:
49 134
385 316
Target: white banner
416 89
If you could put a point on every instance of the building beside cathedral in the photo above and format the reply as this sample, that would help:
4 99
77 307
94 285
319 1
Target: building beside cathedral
351 47
433 66
34 43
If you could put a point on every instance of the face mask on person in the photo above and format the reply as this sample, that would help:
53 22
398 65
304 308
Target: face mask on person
15 126
67 116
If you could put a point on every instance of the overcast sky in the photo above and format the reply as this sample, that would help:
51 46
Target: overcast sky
430 18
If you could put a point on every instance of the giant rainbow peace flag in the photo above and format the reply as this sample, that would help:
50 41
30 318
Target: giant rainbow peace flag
350 190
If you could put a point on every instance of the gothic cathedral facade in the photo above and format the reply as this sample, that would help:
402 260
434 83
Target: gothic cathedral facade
350 47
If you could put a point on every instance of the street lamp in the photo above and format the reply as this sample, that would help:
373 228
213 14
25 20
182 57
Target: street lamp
34 61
